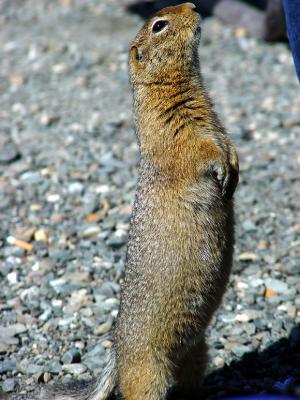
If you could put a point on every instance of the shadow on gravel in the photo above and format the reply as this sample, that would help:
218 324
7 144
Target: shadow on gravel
256 372
259 371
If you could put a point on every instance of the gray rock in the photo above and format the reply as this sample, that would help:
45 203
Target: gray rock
71 356
9 385
249 226
7 366
54 367
276 285
74 369
9 152
33 369
75 188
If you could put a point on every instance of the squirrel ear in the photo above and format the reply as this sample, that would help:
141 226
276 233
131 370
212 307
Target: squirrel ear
136 54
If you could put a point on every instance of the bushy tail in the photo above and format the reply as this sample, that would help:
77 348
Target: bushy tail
101 388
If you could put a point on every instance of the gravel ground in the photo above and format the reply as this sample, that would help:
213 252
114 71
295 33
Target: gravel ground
68 168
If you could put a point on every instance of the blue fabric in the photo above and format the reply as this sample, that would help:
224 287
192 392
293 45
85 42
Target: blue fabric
292 16
263 397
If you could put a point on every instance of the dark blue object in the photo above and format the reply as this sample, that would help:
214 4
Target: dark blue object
262 397
292 16
285 384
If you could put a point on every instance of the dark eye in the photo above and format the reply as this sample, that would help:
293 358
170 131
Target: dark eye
159 25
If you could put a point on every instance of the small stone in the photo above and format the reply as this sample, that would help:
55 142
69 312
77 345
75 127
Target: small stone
16 79
6 332
103 328
75 188
255 283
106 290
270 293
93 217
90 231
242 285
60 68
7 366
44 377
247 256
291 310
9 153
112 302
54 368
71 356
74 369
45 315
218 362
53 198
248 226
276 285
31 177
228 318
107 344
296 228
57 283
40 235
292 121
8 385
242 318
19 328
47 120
56 303
237 349
19 243
262 245
116 242
12 277
33 369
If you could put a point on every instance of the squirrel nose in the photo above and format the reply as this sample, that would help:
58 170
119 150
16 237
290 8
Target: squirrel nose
180 9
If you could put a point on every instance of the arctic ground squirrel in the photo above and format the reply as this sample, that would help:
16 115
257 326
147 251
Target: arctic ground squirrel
181 237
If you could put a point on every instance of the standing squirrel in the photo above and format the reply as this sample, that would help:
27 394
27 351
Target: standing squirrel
181 237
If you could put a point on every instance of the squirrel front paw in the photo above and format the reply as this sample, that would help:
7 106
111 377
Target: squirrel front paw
225 171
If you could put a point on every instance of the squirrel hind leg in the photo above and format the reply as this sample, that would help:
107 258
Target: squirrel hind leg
189 373
145 379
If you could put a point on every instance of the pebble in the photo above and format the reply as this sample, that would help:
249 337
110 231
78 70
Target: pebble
247 256
276 285
218 361
40 235
75 188
9 385
12 278
9 153
33 369
74 369
249 226
5 366
103 328
90 231
54 367
71 356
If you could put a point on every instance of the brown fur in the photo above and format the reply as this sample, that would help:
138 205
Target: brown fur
182 228
181 238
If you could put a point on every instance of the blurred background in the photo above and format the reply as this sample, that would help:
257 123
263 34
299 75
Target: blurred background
68 169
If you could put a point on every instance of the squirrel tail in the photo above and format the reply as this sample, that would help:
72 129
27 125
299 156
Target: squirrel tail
101 388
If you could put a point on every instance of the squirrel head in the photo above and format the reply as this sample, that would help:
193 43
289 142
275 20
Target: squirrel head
166 48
